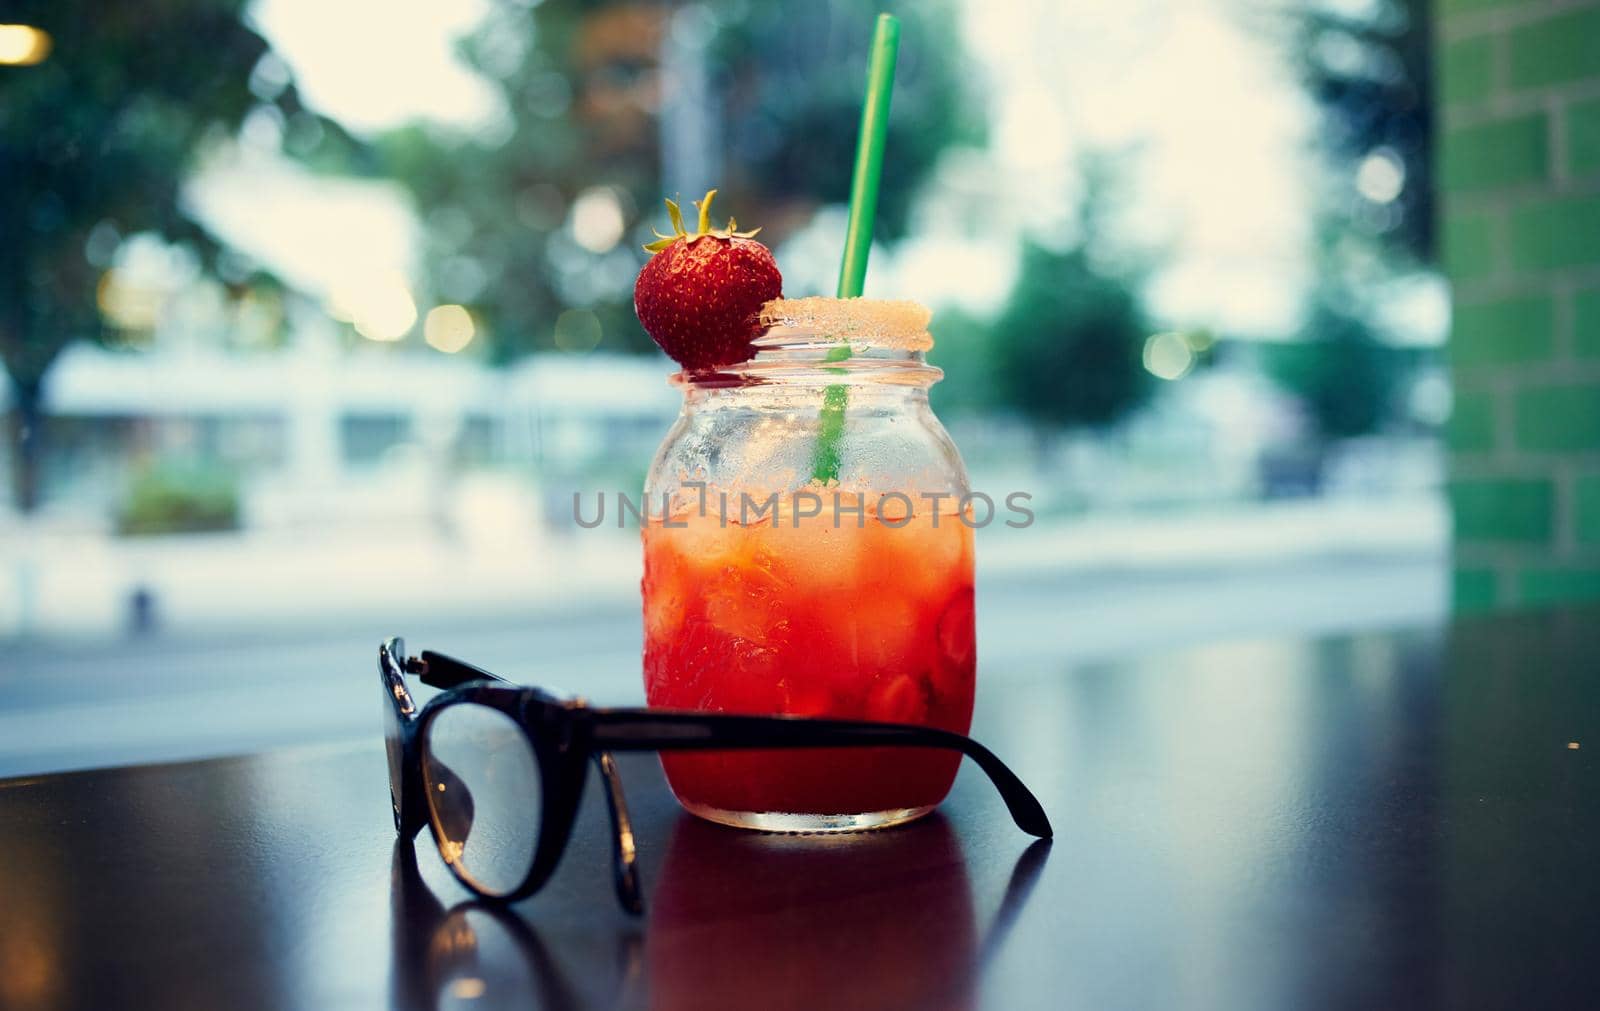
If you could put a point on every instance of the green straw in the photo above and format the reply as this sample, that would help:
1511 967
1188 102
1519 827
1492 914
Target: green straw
858 233
869 156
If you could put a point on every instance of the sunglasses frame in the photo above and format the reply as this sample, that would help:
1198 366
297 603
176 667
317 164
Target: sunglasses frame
566 735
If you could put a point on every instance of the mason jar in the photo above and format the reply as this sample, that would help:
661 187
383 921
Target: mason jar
808 553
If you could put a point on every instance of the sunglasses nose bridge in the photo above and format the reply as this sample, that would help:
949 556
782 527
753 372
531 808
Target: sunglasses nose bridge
563 725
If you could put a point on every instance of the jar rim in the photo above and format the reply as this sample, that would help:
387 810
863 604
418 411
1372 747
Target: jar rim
886 324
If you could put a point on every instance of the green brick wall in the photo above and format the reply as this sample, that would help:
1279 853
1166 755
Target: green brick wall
1518 137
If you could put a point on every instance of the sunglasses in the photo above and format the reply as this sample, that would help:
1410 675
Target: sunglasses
496 770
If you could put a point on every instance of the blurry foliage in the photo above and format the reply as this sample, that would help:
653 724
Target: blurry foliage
1371 72
1345 377
583 86
95 143
1066 350
1069 341
791 81
171 499
963 346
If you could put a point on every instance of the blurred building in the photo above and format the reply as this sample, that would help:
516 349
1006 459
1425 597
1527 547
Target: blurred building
310 430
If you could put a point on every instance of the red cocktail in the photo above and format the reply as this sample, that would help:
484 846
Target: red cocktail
816 617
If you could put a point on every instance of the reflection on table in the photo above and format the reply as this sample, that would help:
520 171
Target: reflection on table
738 919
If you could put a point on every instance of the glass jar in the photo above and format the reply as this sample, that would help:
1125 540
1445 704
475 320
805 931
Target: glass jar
808 554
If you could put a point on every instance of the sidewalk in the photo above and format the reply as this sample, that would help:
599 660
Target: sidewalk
81 584
1232 537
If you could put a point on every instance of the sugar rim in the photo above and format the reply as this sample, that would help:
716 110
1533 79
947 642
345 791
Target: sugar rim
884 323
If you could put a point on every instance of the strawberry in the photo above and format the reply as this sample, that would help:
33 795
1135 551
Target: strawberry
700 296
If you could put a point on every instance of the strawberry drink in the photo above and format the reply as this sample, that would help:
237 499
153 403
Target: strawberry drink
806 552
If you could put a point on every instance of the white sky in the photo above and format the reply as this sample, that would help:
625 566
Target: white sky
317 233
373 64
1219 127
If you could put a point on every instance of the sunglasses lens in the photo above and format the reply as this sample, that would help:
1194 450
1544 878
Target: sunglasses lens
485 796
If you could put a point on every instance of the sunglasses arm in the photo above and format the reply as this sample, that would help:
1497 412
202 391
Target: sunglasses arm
624 866
439 671
663 730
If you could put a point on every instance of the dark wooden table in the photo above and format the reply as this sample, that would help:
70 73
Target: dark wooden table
1387 820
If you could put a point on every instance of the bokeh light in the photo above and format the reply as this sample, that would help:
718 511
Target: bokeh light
126 304
448 328
380 306
577 330
1168 356
597 220
23 45
1381 176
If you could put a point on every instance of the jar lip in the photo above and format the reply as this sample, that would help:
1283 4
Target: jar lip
888 324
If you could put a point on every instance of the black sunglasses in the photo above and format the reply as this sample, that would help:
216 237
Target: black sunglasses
496 770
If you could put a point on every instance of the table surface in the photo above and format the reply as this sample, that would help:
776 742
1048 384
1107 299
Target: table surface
1390 819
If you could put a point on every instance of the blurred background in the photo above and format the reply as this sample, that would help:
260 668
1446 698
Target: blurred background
315 316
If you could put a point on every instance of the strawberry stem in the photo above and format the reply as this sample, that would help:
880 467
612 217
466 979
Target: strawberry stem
703 226
705 212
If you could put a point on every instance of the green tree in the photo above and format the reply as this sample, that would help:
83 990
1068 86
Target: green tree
963 346
1369 68
790 79
1069 342
95 142
1369 71
1346 378
584 86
